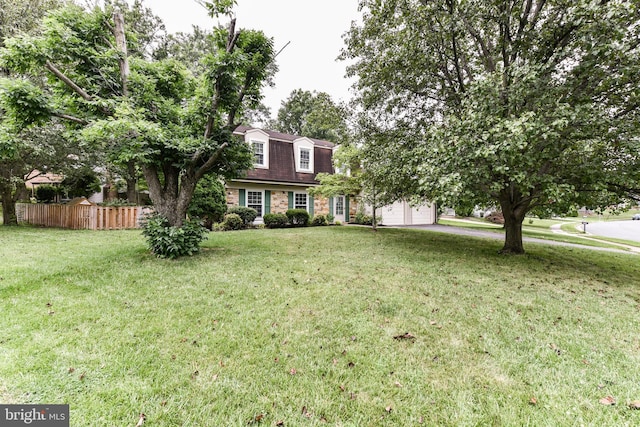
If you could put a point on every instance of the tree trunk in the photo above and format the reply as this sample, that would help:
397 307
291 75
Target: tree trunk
172 198
132 179
8 206
514 208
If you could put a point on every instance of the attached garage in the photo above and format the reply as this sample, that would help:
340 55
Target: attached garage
401 213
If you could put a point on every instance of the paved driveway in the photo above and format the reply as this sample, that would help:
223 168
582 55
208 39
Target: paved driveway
627 229
500 236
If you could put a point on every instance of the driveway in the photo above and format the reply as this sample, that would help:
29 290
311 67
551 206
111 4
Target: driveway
500 236
626 230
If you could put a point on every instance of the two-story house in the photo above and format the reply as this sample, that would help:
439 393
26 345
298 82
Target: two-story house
285 166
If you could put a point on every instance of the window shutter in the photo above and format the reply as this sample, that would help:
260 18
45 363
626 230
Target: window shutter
267 201
310 201
290 199
331 206
346 208
242 197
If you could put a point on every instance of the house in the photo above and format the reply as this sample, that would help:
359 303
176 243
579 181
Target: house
285 166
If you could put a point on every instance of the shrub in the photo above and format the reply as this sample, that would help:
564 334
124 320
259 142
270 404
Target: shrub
167 241
232 221
277 220
319 220
363 219
338 223
117 203
209 202
46 193
330 218
298 217
248 215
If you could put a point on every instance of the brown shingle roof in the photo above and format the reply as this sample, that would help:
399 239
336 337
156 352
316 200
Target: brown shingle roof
241 130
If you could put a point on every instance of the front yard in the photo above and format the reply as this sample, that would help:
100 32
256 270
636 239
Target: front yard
318 326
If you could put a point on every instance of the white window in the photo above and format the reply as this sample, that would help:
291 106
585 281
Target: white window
305 158
300 201
258 153
255 200
303 151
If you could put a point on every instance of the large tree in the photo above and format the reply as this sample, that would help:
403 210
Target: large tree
529 104
177 127
312 114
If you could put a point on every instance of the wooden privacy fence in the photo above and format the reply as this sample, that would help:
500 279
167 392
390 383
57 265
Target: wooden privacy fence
79 217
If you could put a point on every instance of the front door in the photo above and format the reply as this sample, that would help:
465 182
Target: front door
339 209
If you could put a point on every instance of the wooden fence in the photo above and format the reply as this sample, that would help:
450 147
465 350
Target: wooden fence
80 217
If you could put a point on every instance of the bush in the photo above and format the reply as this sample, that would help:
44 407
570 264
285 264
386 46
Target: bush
167 241
232 221
248 215
209 202
319 220
116 203
278 220
46 193
363 219
298 217
330 218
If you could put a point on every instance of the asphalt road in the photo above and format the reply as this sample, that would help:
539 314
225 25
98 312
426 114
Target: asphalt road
627 230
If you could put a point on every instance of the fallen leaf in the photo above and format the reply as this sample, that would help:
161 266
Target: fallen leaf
397 384
293 371
163 403
342 387
351 364
420 420
335 361
433 322
143 417
607 401
215 377
533 401
279 423
388 408
635 404
405 336
82 376
259 418
71 370
194 374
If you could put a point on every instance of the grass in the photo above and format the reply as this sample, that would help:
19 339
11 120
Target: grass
298 326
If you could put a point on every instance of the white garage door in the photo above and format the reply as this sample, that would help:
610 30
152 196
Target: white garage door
393 214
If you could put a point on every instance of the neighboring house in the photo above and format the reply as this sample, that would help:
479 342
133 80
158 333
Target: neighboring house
285 166
36 178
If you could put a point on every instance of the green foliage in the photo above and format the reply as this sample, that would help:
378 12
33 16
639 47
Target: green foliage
117 203
275 220
24 103
313 115
298 217
81 182
232 221
363 219
46 193
482 103
209 202
166 241
248 215
330 218
319 220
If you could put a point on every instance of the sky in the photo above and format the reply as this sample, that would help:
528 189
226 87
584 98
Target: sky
314 29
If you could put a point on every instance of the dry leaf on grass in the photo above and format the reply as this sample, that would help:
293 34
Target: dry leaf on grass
533 401
635 404
607 401
405 336
141 420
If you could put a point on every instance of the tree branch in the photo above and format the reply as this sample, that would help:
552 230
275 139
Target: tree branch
202 170
66 80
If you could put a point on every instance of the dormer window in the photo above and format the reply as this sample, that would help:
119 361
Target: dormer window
305 158
258 153
303 149
258 141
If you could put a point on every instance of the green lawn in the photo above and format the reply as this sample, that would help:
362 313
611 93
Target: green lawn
307 327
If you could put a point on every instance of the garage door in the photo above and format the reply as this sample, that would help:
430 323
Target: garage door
393 214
